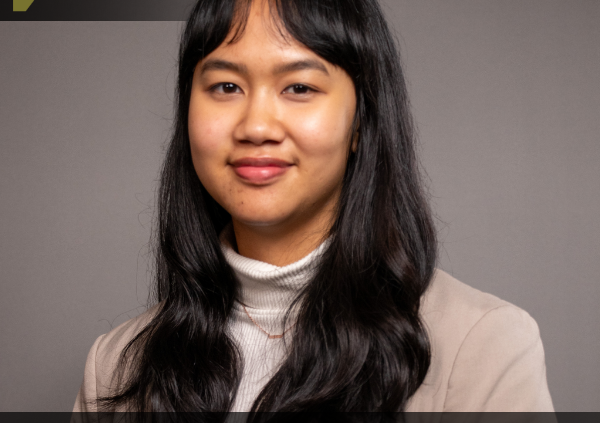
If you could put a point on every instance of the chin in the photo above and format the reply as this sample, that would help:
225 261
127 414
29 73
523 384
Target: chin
259 222
260 219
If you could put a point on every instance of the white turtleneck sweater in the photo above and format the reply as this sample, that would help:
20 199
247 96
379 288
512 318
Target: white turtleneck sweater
267 292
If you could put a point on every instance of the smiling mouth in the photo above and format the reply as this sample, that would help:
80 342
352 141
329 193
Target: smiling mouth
261 169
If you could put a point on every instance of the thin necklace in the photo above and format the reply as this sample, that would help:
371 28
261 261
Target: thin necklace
264 331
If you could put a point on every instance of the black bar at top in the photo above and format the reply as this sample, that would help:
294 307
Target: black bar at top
99 10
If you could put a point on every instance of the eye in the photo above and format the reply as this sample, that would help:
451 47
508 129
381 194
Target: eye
225 88
299 89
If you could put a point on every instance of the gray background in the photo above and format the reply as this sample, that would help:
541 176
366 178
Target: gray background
507 99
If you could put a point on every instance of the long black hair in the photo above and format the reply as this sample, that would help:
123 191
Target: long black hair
358 343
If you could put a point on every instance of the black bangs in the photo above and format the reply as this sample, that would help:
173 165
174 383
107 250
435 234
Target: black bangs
327 29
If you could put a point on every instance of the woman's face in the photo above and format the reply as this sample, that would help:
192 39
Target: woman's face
270 128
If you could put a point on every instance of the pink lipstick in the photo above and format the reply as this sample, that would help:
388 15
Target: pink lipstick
261 169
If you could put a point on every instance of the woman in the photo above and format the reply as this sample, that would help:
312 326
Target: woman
295 248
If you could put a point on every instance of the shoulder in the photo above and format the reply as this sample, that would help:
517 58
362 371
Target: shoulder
487 353
457 315
104 356
447 293
451 302
111 344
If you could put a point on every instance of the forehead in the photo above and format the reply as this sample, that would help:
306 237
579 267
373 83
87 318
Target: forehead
259 18
259 34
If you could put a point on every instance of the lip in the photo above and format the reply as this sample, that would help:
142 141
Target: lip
259 170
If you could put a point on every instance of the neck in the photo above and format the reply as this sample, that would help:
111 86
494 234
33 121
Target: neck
264 286
278 246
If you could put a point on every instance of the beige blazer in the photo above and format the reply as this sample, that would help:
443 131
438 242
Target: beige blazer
487 354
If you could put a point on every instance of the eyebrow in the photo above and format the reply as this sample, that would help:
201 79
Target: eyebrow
218 64
300 65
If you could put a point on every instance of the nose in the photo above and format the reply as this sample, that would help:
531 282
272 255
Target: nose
260 121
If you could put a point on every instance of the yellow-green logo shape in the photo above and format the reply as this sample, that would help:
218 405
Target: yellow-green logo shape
21 5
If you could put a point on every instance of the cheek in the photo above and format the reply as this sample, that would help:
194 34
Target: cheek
324 137
206 132
208 157
208 135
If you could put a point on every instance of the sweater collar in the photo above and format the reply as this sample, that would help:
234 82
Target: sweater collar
264 286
